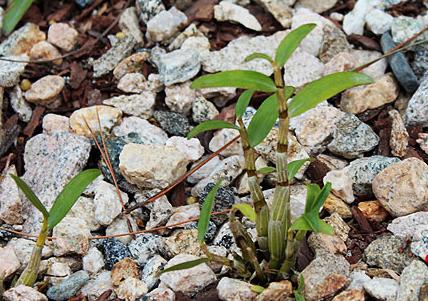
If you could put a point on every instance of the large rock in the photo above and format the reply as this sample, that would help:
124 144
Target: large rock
50 162
406 226
11 204
230 289
9 262
46 90
22 40
69 287
402 188
107 204
72 237
10 72
382 288
417 109
227 11
188 281
23 292
165 24
152 166
412 279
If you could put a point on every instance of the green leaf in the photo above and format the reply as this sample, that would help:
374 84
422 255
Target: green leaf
210 125
14 13
185 265
298 294
301 224
30 195
206 209
294 167
328 86
263 120
290 43
243 102
69 195
244 79
257 289
260 56
266 170
312 191
322 196
247 210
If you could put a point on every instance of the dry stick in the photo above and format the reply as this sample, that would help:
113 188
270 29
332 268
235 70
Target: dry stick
112 25
184 177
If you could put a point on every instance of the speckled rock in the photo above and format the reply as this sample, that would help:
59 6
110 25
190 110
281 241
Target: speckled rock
45 51
10 72
72 237
406 226
131 64
108 118
352 138
113 251
230 289
108 61
149 9
133 129
404 27
45 90
22 40
128 24
373 211
179 98
419 245
150 274
11 204
120 226
399 136
173 123
160 211
165 24
224 199
24 247
98 285
360 99
417 109
221 138
59 154
107 204
412 279
191 147
63 36
324 276
182 242
211 230
382 288
302 68
19 105
131 289
84 209
22 292
9 262
55 123
69 287
227 11
140 105
132 83
152 166
385 252
93 261
145 246
189 281
402 187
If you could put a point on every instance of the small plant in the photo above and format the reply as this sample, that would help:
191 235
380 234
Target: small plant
61 206
278 239
14 13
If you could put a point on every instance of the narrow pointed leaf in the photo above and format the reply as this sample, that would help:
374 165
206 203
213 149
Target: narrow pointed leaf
301 224
312 191
260 56
206 209
294 167
69 195
298 294
257 289
290 43
14 13
263 120
266 170
243 102
30 195
328 86
322 196
247 210
210 125
244 79
185 265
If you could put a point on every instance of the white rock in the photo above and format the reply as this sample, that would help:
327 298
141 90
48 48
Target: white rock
203 110
23 293
301 69
46 90
357 280
382 288
191 147
98 285
150 273
9 262
165 24
23 249
164 294
19 105
341 184
131 289
55 123
376 70
63 36
423 141
72 237
120 226
191 31
179 98
84 208
337 16
188 281
227 11
184 213
230 289
107 203
11 203
22 40
128 23
223 137
280 9
140 105
406 226
204 171
93 261
318 6
146 132
132 83
10 72
378 21
45 51
399 136
355 20
160 211
152 166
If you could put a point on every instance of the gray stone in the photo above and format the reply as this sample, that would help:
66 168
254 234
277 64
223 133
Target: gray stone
399 65
108 61
384 289
352 138
138 130
318 6
128 23
93 261
281 10
10 72
173 123
147 9
19 104
419 245
72 235
113 251
417 110
302 68
11 204
151 271
51 161
140 105
69 287
406 226
22 40
358 279
404 27
165 24
101 283
145 246
23 292
420 62
378 21
412 279
387 252
160 210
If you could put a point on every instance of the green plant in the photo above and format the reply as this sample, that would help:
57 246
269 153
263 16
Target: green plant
14 13
61 206
277 238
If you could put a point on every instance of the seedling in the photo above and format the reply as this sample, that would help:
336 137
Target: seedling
278 239
14 13
61 206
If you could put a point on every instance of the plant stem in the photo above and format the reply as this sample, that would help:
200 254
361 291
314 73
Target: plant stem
260 205
293 243
29 276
